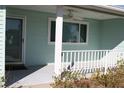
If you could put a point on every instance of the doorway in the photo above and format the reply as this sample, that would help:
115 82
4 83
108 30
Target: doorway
14 41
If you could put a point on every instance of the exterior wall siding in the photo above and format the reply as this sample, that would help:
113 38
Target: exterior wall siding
112 34
38 50
2 40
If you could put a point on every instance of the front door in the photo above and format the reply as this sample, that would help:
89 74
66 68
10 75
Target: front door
14 27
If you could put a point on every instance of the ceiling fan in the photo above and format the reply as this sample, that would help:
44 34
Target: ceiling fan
71 15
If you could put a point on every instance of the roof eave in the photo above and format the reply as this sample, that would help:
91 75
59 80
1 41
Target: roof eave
101 8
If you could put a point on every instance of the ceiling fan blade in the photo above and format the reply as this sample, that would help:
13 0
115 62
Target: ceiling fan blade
71 16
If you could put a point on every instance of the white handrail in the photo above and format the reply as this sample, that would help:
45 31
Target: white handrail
90 60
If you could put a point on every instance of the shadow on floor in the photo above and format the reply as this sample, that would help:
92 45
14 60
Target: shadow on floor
14 74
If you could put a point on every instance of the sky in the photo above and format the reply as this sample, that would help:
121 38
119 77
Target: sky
119 6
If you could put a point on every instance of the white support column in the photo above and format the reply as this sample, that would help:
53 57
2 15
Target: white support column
58 39
2 39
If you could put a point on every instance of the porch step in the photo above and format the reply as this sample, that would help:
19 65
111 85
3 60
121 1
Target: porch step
40 86
43 85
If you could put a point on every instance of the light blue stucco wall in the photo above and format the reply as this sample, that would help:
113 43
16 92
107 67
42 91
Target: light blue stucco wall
112 34
38 51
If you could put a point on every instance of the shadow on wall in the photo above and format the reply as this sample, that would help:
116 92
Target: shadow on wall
114 55
119 47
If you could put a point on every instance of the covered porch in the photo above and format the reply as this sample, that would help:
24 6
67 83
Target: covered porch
33 76
77 38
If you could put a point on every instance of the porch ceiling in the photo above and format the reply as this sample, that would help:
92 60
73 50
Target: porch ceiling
81 11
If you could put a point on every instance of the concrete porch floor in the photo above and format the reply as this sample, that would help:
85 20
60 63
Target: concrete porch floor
31 76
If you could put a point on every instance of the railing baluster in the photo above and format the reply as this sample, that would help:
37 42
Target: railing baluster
89 60
104 55
70 60
112 59
90 53
74 59
85 62
100 56
62 63
78 61
63 54
98 59
94 60
116 57
109 58
67 60
82 58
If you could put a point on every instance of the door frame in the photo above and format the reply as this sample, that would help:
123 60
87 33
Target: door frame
23 38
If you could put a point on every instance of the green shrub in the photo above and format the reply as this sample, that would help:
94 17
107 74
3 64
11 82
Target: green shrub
113 78
70 79
2 81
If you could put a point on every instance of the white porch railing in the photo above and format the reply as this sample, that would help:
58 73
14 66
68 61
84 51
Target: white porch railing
89 61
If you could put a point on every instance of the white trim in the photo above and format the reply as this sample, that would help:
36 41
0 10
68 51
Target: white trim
58 39
71 21
2 30
107 9
51 63
23 36
110 7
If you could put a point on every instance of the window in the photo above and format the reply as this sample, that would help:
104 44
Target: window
73 32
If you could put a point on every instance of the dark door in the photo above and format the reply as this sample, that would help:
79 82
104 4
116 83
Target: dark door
13 48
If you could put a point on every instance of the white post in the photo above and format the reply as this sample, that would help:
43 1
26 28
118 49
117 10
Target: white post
58 39
2 39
